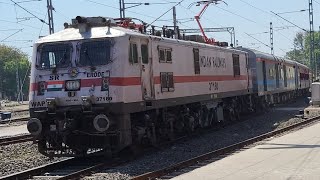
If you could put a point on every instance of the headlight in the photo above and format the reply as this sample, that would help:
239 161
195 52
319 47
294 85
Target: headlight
73 85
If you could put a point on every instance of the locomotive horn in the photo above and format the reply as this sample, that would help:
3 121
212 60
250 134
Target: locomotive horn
101 123
81 19
34 126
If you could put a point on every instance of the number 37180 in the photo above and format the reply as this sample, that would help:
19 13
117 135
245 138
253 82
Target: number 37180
213 86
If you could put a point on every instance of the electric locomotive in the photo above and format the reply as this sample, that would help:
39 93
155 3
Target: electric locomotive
104 84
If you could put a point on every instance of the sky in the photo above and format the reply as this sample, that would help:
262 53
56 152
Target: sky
250 18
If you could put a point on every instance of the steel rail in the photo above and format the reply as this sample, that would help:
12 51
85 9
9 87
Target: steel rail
37 170
43 172
14 120
151 175
13 111
90 170
219 152
15 139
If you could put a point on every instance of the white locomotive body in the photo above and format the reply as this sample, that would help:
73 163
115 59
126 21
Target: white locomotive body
96 85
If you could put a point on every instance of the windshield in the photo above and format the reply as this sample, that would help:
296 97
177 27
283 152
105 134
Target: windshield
54 55
93 53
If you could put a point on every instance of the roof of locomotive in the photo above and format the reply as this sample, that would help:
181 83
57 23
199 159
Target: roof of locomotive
263 55
71 34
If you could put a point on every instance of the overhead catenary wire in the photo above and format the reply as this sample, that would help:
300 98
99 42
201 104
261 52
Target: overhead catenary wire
102 4
9 29
42 26
5 3
203 17
269 13
165 13
18 40
250 20
2 20
289 21
255 7
275 15
43 21
11 35
258 40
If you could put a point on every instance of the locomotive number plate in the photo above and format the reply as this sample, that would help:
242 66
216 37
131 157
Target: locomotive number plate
100 99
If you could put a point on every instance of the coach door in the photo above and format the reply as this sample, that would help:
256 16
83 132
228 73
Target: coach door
277 75
264 71
146 70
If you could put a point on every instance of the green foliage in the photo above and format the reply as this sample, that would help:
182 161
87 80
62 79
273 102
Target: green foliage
301 52
12 59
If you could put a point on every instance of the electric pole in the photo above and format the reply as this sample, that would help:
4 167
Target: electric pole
175 22
122 8
312 61
271 38
18 83
50 16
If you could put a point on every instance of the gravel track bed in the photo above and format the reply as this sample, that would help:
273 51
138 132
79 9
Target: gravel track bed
200 144
20 157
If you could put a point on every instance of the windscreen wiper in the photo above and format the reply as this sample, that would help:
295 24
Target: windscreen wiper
63 58
88 58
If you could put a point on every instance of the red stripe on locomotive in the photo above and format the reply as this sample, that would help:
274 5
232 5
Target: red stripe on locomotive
133 81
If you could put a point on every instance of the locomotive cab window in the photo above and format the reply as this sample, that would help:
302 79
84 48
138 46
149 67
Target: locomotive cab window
165 55
54 56
236 65
133 53
94 53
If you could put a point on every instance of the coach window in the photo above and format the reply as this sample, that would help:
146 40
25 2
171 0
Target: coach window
144 53
133 53
236 65
196 61
167 82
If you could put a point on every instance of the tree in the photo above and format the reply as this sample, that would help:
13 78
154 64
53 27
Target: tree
298 53
11 60
301 51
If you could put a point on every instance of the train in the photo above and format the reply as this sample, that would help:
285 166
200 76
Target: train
106 84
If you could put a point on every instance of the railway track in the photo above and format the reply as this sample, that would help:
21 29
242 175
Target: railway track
24 113
217 154
15 139
74 168
70 168
14 120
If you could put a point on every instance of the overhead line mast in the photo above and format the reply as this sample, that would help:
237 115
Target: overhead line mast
313 62
271 38
50 16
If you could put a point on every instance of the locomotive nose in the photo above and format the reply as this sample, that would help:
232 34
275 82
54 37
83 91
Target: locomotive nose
101 123
34 126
